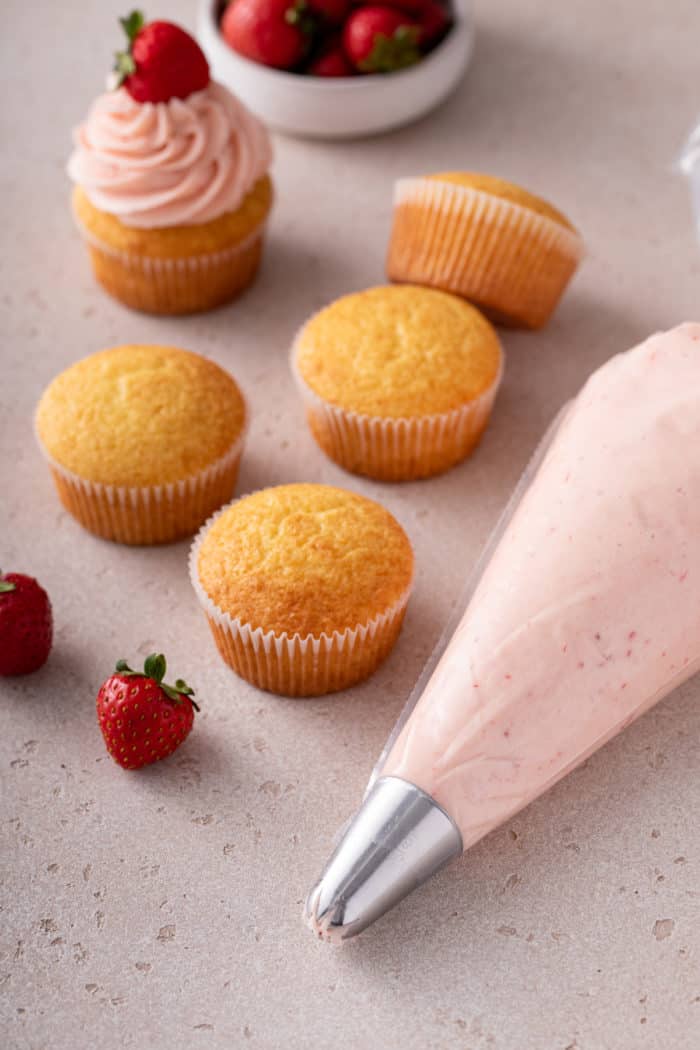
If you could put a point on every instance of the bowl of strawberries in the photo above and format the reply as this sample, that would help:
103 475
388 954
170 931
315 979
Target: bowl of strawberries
337 68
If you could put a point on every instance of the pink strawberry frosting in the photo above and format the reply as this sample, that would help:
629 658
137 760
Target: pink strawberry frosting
175 163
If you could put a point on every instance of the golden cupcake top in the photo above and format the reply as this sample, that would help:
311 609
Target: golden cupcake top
305 559
398 351
507 191
140 415
168 241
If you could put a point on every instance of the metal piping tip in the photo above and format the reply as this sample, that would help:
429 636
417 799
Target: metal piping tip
323 920
398 838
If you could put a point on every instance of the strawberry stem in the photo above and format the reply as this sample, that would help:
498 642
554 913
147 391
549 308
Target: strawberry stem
154 667
124 64
394 52
132 24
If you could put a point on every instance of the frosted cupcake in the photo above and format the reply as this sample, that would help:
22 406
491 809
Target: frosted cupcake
398 381
143 442
171 186
490 241
304 586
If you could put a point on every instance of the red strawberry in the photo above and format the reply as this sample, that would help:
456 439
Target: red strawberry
331 61
26 624
331 12
275 33
162 62
380 39
142 719
433 21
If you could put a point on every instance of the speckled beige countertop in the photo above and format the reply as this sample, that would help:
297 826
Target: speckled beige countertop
162 909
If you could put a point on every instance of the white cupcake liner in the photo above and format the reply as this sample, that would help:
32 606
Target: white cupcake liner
492 251
295 664
182 264
180 284
443 194
146 514
401 449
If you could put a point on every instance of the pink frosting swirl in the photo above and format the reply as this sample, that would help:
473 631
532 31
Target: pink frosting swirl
175 163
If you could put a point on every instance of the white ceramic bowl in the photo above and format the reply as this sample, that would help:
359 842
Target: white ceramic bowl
342 107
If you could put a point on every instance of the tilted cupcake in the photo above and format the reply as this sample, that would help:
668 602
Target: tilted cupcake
398 381
304 586
490 241
171 185
143 442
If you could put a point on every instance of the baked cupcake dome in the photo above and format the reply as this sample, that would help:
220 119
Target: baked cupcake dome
143 442
487 240
304 586
398 381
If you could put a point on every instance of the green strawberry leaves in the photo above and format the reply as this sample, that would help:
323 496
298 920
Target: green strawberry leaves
6 586
390 53
182 687
124 64
154 667
132 24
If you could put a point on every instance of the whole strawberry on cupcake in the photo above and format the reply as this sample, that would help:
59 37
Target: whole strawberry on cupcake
172 190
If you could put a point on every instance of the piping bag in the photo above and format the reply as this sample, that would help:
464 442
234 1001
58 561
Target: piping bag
583 612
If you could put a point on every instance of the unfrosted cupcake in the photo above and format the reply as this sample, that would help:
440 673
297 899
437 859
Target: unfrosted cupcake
171 185
143 442
490 241
398 381
304 586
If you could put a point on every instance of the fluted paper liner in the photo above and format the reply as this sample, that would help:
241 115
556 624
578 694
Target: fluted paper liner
145 515
505 258
403 449
292 665
178 285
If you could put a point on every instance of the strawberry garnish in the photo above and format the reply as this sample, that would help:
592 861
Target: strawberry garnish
26 624
276 33
161 62
142 718
380 39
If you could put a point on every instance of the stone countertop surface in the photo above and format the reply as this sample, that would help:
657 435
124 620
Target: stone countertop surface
162 909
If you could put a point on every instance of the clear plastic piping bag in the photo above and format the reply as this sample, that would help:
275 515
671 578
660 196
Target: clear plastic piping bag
400 836
469 589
